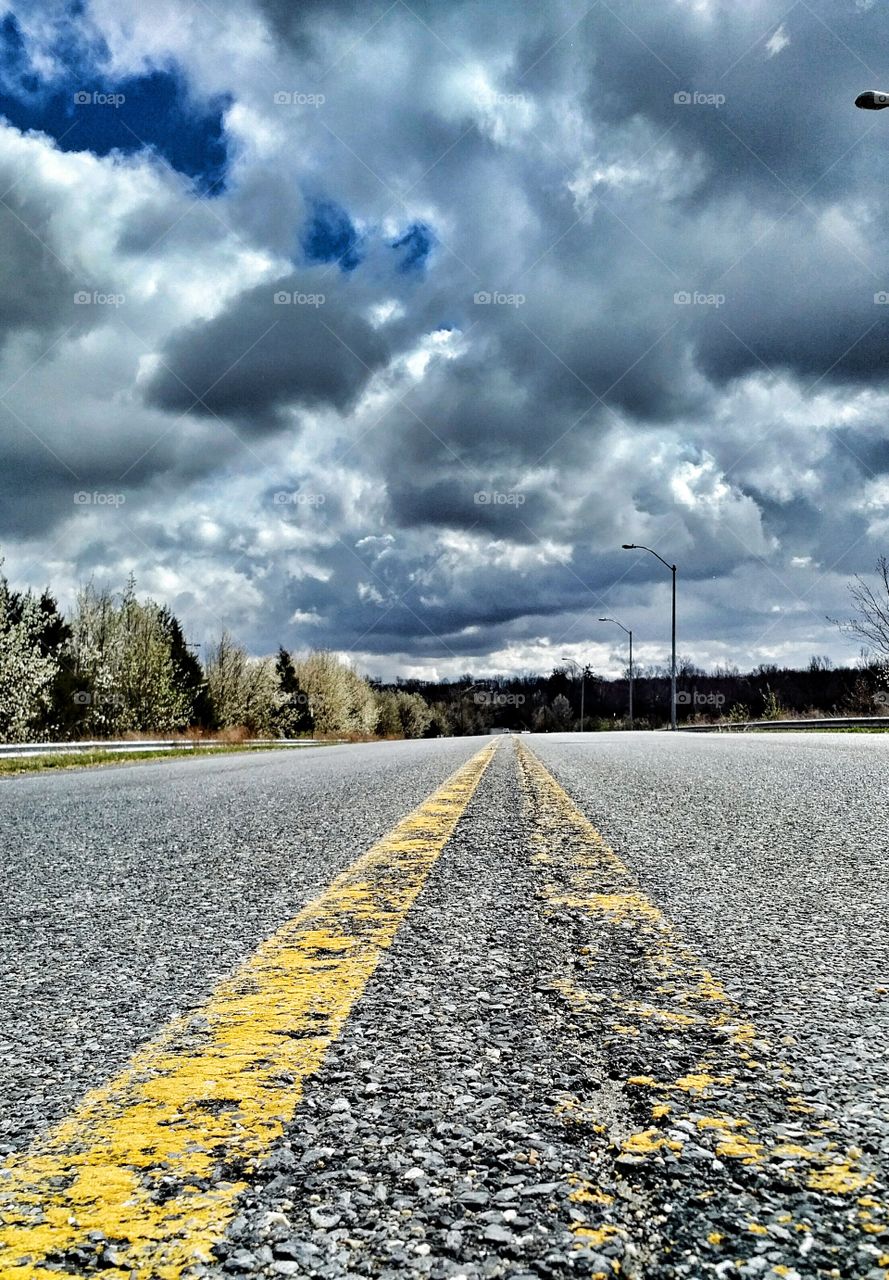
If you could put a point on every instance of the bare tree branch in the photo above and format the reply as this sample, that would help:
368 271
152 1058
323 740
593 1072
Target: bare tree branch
870 622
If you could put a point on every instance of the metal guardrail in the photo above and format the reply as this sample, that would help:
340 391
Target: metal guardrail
13 750
828 722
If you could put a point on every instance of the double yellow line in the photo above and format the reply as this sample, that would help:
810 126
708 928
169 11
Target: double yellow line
670 998
142 1178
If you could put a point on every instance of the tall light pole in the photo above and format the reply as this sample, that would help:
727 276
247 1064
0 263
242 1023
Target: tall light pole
630 634
569 662
636 546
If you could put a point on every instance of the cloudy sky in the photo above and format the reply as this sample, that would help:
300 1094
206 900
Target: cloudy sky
380 327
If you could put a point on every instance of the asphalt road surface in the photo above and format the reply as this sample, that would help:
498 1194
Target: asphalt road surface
530 1007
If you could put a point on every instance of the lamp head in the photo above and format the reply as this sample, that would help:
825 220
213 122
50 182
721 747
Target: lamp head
872 100
628 546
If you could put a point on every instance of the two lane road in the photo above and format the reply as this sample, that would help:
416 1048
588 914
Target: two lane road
530 1007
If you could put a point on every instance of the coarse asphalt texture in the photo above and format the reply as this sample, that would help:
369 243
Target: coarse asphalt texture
659 1051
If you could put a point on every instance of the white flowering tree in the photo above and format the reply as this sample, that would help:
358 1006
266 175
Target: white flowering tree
341 701
126 675
27 671
402 714
243 691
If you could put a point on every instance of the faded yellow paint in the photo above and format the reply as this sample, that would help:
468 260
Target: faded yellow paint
839 1178
694 1082
723 1122
595 880
585 1192
155 1159
596 1235
740 1148
647 1142
700 1081
793 1151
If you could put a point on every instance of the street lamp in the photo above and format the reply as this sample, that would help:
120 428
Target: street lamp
634 546
872 100
469 688
569 662
630 634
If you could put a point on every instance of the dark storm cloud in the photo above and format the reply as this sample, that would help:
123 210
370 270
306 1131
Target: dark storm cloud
867 452
850 345
295 23
411 620
47 300
49 459
305 24
467 503
784 117
36 492
281 344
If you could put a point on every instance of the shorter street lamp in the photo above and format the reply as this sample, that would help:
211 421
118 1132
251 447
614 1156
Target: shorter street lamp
637 546
569 662
463 692
630 634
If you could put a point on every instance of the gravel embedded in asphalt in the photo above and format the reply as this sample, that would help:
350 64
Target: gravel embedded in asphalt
441 1136
130 891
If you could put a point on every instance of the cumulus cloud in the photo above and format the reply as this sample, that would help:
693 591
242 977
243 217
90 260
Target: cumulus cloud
547 280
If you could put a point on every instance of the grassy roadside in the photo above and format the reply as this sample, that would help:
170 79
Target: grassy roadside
95 759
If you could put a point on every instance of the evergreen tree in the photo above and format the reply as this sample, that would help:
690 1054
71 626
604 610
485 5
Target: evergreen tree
190 673
293 714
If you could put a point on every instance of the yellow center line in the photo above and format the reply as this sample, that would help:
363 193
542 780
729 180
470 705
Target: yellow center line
599 884
152 1162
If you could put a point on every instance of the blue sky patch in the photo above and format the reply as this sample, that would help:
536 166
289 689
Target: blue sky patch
83 111
331 236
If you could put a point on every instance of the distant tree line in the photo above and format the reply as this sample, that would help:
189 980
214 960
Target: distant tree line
555 702
118 666
552 703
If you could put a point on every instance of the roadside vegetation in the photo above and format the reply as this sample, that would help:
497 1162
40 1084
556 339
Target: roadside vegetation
93 759
118 666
